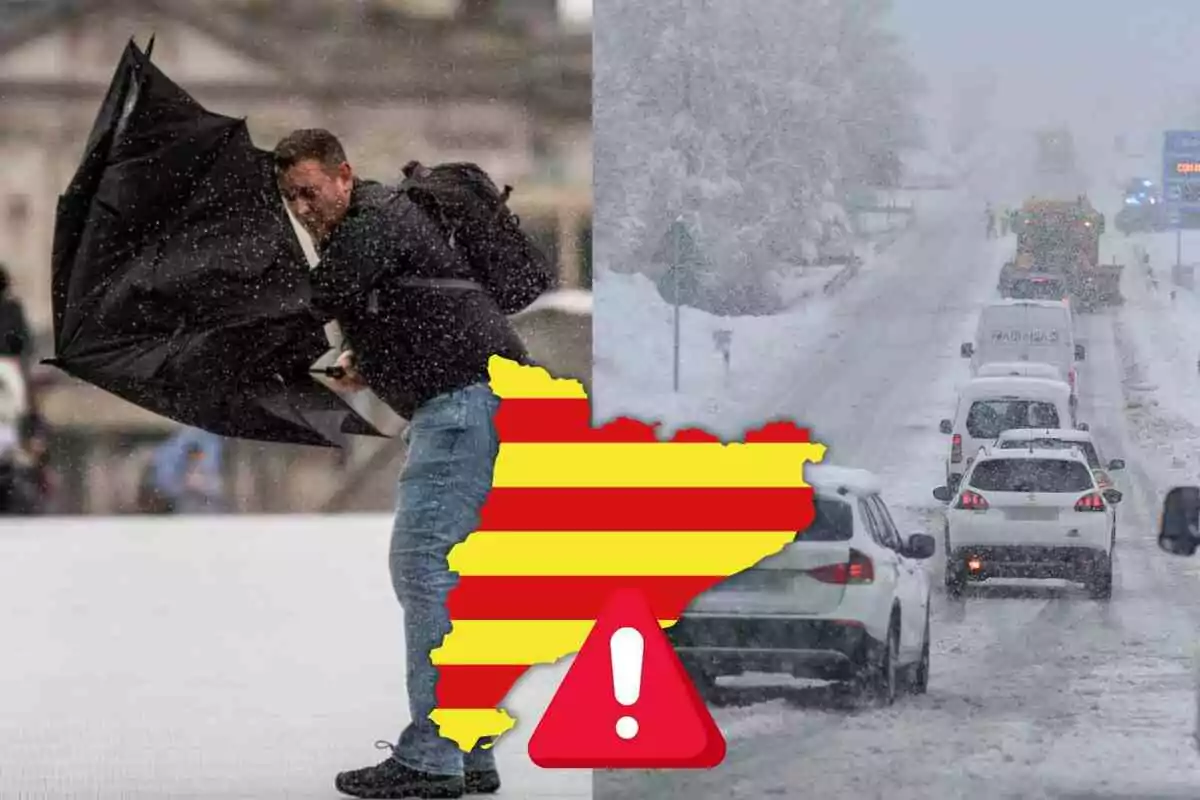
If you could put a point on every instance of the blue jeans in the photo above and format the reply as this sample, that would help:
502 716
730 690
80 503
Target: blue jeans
452 449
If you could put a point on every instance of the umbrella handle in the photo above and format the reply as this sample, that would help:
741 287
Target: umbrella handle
335 372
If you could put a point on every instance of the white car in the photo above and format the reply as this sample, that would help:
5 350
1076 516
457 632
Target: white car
1041 438
1036 514
847 601
1065 439
989 406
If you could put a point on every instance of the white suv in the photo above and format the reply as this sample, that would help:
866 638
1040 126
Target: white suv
1063 438
1035 513
847 601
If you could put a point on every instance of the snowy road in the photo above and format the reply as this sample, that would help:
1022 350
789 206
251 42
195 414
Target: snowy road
1038 692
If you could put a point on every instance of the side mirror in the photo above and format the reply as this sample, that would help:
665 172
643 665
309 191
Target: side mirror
1113 496
1179 524
1080 352
920 545
967 350
943 494
1083 426
1116 464
946 426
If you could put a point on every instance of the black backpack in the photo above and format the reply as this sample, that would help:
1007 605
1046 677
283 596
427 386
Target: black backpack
475 219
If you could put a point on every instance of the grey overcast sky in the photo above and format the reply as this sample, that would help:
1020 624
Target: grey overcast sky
1100 66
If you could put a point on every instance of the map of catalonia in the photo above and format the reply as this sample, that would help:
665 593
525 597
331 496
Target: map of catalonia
576 512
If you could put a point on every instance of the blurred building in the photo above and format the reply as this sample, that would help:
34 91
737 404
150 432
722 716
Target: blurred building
499 82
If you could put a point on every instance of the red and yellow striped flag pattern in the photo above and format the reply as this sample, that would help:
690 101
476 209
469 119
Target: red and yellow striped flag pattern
576 512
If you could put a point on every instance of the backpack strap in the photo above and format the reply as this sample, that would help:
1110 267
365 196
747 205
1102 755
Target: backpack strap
424 283
441 283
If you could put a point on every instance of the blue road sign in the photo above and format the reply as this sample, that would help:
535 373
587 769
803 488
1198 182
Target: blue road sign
1181 172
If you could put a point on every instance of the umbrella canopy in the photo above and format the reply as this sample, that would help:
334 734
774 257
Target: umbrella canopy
178 281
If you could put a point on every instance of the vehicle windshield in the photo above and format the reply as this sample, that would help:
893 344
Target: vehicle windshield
1089 450
834 522
1031 475
987 419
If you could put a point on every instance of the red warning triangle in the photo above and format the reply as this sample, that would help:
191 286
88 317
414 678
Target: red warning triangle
665 725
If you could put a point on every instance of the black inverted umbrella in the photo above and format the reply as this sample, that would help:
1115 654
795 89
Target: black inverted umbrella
178 281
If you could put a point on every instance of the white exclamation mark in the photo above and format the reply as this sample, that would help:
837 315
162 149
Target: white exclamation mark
627 647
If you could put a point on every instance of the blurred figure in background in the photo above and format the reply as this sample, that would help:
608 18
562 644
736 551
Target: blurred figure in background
15 340
18 485
184 475
35 438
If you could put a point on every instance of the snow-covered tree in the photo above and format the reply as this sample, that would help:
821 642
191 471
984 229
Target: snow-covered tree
756 116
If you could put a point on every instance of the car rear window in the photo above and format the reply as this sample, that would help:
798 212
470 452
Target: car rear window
1054 444
987 419
1031 475
834 522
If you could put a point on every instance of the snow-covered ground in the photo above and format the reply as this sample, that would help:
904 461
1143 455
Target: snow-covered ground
634 343
1162 325
248 657
1035 692
872 368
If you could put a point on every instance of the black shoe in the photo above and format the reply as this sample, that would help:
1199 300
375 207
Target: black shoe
486 782
391 779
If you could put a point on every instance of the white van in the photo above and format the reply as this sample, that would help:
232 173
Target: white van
1027 330
989 406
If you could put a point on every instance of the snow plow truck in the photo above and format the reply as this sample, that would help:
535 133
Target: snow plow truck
1058 255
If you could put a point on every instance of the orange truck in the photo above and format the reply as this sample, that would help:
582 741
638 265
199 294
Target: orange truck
1058 255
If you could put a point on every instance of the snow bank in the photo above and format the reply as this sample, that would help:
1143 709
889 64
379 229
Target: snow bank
633 369
1165 331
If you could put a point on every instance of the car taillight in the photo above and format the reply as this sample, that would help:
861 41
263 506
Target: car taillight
1090 502
858 569
972 502
956 449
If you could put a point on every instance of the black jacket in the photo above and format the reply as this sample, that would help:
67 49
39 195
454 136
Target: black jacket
412 343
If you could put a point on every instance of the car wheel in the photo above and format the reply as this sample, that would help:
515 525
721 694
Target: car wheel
886 678
1101 580
920 675
878 681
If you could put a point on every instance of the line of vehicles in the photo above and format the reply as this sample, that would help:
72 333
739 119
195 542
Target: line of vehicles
1028 495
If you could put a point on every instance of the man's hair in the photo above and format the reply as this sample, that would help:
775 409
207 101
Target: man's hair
308 143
